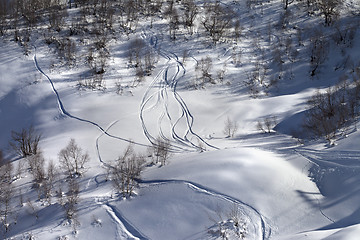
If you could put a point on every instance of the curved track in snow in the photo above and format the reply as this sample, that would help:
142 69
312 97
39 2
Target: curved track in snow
64 112
264 231
124 229
162 94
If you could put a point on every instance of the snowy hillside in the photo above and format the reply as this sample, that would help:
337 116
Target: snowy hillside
180 119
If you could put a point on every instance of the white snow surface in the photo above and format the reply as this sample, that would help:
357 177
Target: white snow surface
282 189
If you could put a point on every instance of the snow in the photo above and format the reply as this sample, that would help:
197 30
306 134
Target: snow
282 188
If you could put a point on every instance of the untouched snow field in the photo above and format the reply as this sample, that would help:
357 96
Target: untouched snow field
275 186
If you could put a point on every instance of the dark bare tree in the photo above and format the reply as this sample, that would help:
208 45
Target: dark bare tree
4 14
319 51
25 142
190 12
73 159
217 20
36 164
56 17
71 201
332 110
205 66
330 9
126 170
287 3
152 9
161 150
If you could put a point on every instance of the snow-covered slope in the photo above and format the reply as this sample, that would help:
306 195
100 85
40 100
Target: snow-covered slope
252 185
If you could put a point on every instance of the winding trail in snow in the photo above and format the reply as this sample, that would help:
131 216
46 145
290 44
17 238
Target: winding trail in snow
265 231
122 225
64 112
167 83
125 229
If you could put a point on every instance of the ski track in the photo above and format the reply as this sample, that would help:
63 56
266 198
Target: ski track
302 153
165 82
64 112
265 231
120 222
122 232
181 143
125 229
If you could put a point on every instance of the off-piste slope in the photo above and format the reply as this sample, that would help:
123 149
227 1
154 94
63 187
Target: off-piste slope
273 193
276 188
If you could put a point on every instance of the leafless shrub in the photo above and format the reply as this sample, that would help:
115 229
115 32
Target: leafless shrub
267 124
32 210
36 164
330 111
229 223
160 151
330 9
257 80
189 15
126 170
72 199
217 20
25 142
96 82
204 66
319 48
73 159
235 215
119 89
230 127
173 18
49 182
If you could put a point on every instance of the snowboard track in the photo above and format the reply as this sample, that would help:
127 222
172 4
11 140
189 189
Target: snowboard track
265 232
167 83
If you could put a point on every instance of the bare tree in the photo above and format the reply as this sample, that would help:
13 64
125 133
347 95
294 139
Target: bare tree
126 170
72 199
189 15
330 9
47 185
36 164
73 159
25 142
287 3
161 150
56 17
230 127
217 20
135 52
204 66
150 60
173 18
4 11
332 110
319 51
267 124
152 8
